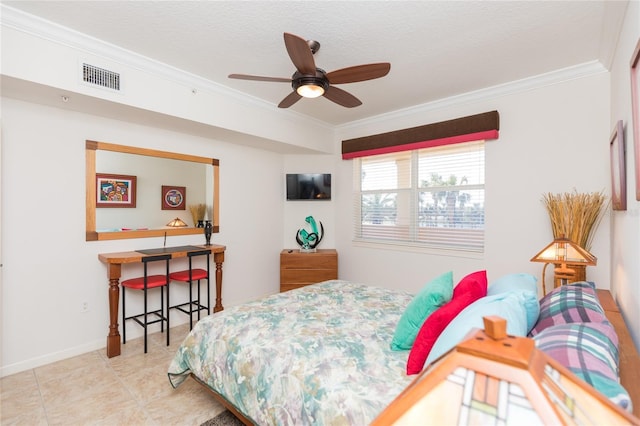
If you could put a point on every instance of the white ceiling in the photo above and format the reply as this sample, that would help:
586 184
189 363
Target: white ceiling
437 49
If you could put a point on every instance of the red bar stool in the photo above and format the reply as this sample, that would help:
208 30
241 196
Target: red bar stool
190 276
145 283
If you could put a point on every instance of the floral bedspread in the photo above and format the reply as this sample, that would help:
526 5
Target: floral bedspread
317 355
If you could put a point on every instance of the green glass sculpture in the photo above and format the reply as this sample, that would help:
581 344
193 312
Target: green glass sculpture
308 241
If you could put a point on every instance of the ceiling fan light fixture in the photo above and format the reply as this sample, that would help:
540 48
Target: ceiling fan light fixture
310 87
310 91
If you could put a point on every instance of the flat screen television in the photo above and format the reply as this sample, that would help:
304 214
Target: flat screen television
308 186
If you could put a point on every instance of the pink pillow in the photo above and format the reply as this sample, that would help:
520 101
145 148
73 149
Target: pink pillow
469 289
474 282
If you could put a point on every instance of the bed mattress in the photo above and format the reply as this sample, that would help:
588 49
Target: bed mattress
315 355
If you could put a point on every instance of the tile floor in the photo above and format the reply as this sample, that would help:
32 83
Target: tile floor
130 389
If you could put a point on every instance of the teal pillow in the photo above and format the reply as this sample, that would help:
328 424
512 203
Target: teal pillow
522 282
510 306
435 293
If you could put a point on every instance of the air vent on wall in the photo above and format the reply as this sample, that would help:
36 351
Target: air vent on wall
100 77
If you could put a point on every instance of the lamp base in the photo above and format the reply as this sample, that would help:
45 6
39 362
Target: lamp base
562 276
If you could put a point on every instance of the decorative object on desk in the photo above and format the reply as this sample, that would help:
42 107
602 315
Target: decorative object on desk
115 190
173 197
635 110
618 168
197 213
176 223
563 253
208 229
491 375
309 241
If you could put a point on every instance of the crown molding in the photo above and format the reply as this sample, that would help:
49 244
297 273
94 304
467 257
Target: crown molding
554 77
56 33
613 21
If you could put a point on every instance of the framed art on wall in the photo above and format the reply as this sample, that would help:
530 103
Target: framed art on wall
618 168
635 111
174 197
115 190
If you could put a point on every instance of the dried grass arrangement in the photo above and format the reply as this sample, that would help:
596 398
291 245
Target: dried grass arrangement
575 216
197 212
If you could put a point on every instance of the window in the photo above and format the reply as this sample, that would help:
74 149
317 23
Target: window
430 197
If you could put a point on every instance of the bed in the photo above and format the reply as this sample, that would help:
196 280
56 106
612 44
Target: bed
315 355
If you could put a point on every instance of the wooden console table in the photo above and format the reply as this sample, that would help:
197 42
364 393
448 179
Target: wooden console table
114 262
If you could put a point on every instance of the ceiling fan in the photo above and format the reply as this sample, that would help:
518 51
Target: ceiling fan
310 81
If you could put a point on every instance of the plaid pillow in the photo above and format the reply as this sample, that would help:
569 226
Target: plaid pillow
576 302
590 351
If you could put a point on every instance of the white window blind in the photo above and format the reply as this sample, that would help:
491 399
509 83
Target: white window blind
431 197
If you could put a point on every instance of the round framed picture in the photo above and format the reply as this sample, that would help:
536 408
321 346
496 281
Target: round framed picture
173 197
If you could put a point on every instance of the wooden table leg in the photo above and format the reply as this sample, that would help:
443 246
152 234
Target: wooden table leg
113 339
218 258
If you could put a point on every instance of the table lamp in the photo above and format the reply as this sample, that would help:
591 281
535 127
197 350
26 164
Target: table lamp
176 223
492 375
563 253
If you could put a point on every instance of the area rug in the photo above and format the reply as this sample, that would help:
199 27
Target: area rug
223 419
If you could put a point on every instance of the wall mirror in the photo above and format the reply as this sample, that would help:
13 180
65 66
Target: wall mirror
136 192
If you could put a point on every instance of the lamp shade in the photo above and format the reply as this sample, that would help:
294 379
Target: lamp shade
176 223
565 251
492 375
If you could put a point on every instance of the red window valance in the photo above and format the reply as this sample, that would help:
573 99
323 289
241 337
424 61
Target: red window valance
465 129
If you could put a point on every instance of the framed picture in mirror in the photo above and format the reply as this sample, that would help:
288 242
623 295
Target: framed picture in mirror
115 190
174 197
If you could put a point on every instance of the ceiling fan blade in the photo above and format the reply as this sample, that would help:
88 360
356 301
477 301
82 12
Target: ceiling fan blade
300 54
291 99
259 78
359 73
341 97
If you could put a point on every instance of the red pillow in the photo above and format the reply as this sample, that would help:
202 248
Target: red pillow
469 289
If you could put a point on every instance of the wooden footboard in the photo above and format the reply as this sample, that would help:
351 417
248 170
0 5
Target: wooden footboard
629 358
222 400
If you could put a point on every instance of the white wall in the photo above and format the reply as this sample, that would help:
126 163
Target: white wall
324 211
552 139
625 225
49 269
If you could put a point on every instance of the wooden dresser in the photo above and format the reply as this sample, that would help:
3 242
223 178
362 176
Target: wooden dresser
300 269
